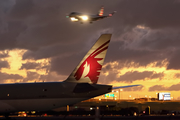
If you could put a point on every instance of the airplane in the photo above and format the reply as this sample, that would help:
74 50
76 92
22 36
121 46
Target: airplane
44 96
83 17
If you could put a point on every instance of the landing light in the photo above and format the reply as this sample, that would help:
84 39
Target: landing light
84 17
73 19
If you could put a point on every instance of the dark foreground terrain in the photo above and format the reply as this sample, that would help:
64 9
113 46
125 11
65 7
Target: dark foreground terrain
101 118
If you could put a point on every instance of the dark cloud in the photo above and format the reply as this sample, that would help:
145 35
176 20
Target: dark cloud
9 39
157 88
116 53
177 75
154 14
5 76
143 57
52 77
45 32
67 64
31 76
129 77
48 20
162 88
30 65
21 9
4 54
6 5
174 61
161 39
174 87
157 75
112 76
135 75
34 76
55 50
4 64
51 27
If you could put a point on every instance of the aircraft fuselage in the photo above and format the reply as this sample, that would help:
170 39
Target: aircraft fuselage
46 96
75 17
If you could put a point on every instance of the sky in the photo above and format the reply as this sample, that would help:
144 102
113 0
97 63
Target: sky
39 44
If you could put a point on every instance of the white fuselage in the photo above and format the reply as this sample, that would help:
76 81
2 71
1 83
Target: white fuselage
46 96
75 16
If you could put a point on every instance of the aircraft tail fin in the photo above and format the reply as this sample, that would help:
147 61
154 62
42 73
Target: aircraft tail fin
88 70
101 11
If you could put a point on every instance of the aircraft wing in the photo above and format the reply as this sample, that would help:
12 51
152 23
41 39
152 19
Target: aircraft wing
125 86
98 18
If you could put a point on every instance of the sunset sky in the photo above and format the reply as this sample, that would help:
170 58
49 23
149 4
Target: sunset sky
38 43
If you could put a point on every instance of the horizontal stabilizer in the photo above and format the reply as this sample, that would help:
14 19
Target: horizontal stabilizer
111 14
83 88
125 86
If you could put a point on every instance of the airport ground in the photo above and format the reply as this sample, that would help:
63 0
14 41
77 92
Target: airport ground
100 118
105 109
155 106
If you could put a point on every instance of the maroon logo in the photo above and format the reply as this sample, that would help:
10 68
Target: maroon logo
93 64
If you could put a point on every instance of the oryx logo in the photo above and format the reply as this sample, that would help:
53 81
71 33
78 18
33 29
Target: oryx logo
90 67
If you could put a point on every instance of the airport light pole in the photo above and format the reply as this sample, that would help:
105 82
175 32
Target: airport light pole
119 94
129 97
120 90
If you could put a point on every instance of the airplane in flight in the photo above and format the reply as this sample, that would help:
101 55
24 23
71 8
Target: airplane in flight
80 85
83 17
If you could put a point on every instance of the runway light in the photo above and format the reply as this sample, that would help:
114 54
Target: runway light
33 112
24 114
